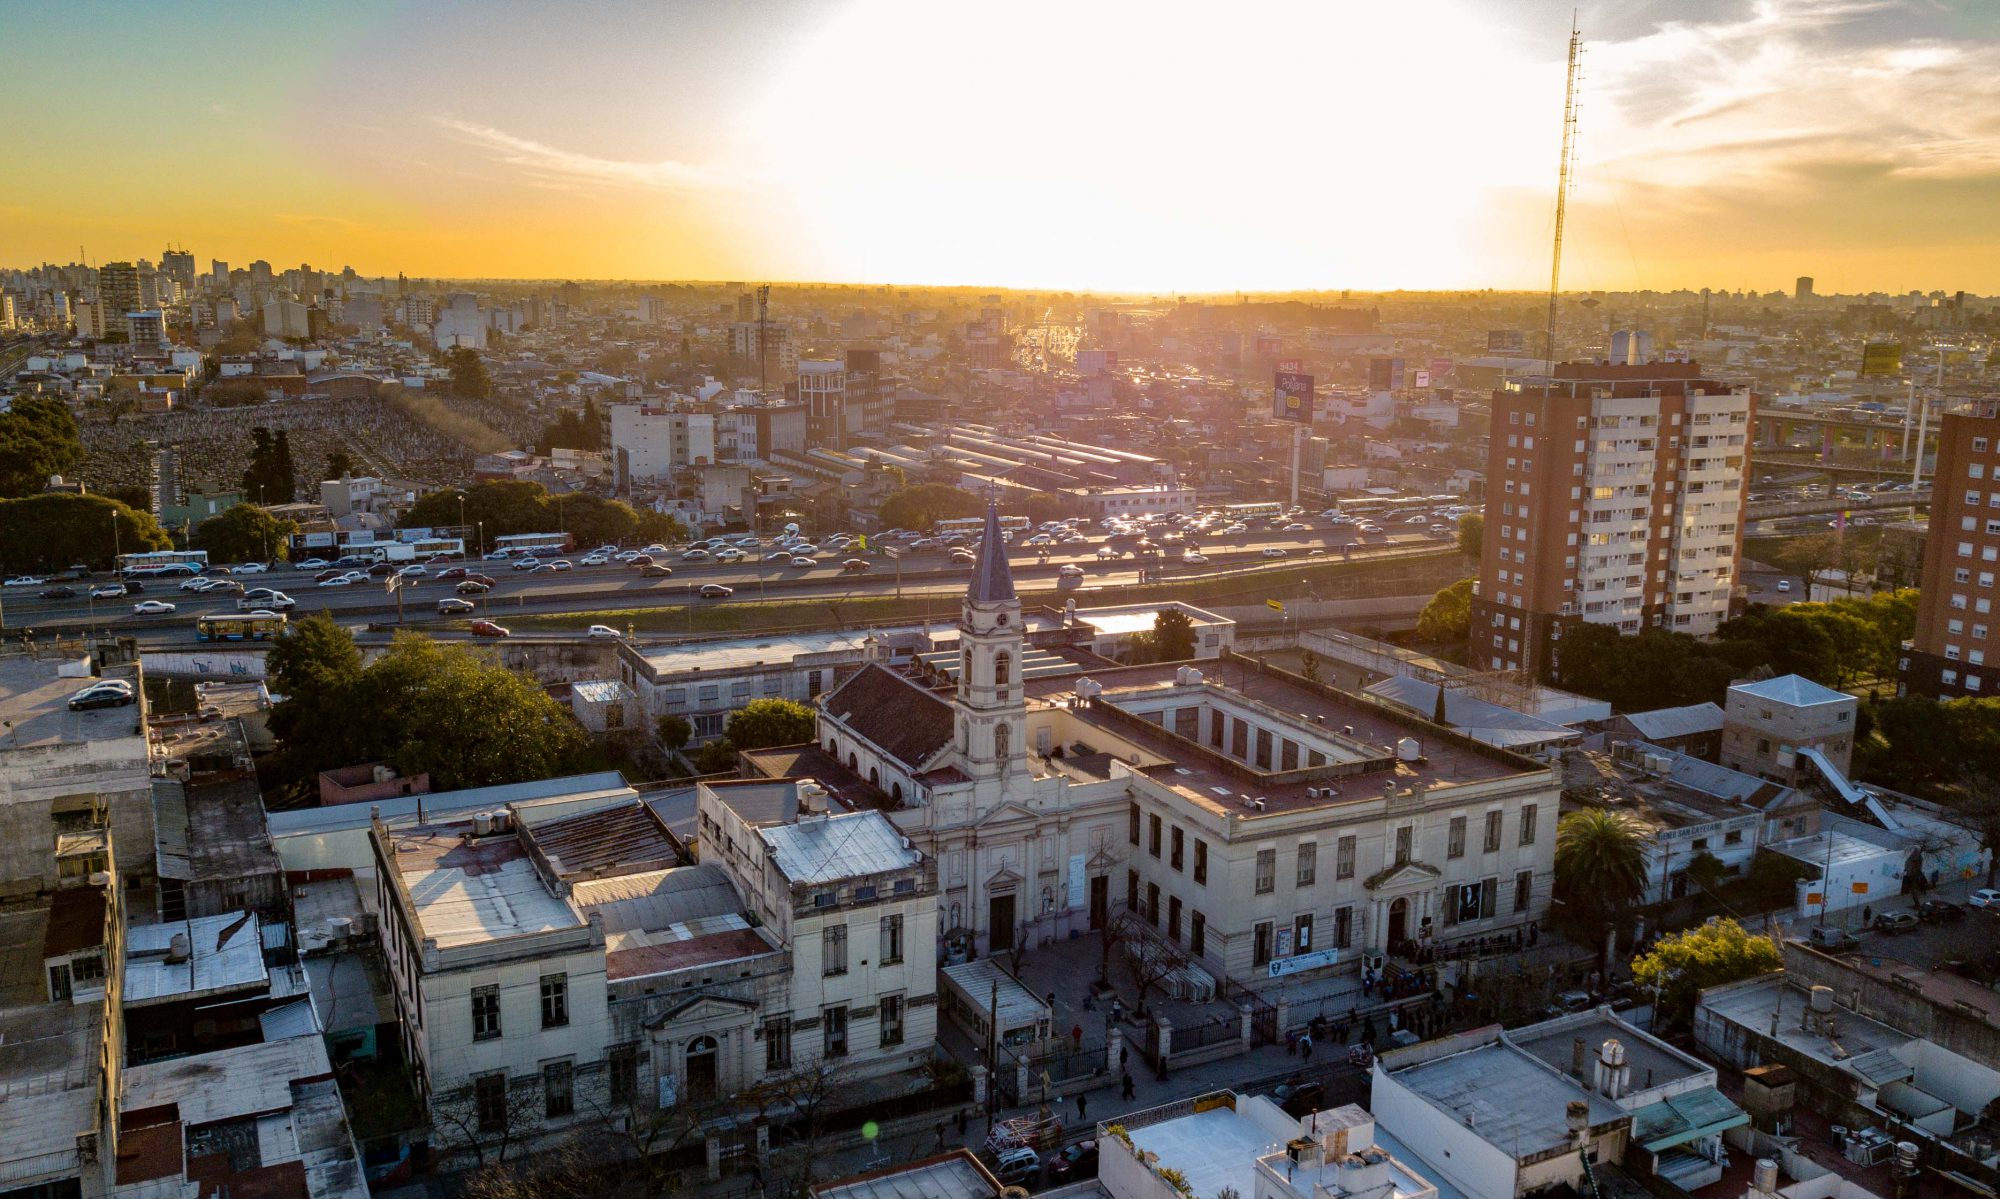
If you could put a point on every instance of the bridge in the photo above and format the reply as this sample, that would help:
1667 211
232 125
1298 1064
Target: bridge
1778 509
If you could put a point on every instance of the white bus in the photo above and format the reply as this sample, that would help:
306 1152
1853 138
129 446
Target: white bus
973 526
531 543
163 562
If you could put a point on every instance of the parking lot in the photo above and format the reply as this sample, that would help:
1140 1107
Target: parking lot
1974 938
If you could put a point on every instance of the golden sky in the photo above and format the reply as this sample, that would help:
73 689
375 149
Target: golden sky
1038 143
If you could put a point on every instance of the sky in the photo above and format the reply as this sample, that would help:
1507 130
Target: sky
1154 146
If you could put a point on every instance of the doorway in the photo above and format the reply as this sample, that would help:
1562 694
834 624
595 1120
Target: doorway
1000 923
1399 923
1100 901
701 1077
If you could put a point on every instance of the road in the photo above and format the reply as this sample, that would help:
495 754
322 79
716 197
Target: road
618 586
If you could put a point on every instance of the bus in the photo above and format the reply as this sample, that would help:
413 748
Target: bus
163 562
973 526
239 626
511 544
1250 512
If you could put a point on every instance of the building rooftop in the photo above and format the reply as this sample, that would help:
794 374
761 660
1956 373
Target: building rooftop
34 703
954 1175
211 830
707 941
1794 690
1656 800
623 839
1490 723
811 762
223 953
48 1054
658 898
1830 847
406 808
1663 723
1869 1050
1215 1145
1511 1098
468 889
826 849
742 653
906 720
1653 1063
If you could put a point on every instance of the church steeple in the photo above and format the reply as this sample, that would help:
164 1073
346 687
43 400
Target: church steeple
992 581
991 700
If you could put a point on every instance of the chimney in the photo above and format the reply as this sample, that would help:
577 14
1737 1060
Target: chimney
1579 1059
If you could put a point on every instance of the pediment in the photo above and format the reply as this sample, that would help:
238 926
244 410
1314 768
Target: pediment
1002 878
703 1007
1005 812
1409 874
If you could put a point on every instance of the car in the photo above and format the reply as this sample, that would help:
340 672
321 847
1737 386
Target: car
655 548
381 570
1784 584
778 556
111 693
456 572
858 566
277 601
729 554
224 587
1896 922
198 583
60 593
152 608
655 570
342 580
328 573
1985 897
527 563
603 632
1015 1167
561 564
486 628
313 564
1195 558
478 578
248 568
1074 1162
1071 571
111 591
595 560
696 555
1940 911
1828 937
412 571
496 556
1106 554
1416 520
1275 551
625 555
716 591
1296 527
453 607
473 587
804 561
1439 531
25 581
1300 1097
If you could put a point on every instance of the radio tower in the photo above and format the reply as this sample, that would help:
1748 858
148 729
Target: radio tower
763 351
1562 187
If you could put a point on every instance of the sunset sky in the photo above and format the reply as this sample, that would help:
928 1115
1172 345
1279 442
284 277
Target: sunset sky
1035 143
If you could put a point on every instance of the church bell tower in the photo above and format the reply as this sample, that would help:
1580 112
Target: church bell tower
991 706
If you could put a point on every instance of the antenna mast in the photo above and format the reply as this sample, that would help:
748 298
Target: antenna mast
1562 187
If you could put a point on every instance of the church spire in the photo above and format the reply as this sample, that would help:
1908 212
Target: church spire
992 581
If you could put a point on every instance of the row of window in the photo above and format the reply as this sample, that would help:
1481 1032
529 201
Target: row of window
486 1007
833 946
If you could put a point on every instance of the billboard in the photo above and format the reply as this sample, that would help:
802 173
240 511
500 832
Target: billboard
1294 397
1882 358
1290 366
1440 367
1678 355
1268 347
1385 374
1423 379
1506 341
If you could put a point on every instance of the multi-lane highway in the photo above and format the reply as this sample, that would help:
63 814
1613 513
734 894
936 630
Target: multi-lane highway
587 588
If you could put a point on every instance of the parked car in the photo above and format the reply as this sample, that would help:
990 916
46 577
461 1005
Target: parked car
1017 1167
1827 937
716 591
1896 922
1074 1163
603 632
1940 911
1300 1097
1985 897
454 606
1784 584
486 628
109 693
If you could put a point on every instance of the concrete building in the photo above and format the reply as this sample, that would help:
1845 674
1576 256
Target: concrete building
1947 655
1615 496
1225 1143
1788 729
822 388
118 293
286 319
146 329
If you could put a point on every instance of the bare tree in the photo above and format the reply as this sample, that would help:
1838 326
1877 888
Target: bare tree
1150 958
648 1135
459 1127
800 1101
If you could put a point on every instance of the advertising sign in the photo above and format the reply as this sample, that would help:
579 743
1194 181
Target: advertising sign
1294 398
1440 367
1268 347
1385 374
1423 379
1882 358
1290 366
1280 967
1673 356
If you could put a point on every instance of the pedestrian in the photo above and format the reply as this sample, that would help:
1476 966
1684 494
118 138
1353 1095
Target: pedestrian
1292 1046
1081 1102
961 1121
940 1132
1076 1035
1129 1088
1124 1054
1867 914
1306 1047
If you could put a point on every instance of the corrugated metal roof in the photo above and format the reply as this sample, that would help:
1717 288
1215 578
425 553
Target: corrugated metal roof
1795 690
445 803
290 1020
1677 722
659 899
224 952
1493 724
825 849
1881 1066
1687 1116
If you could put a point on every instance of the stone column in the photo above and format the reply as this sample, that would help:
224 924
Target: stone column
713 1148
978 1073
1114 1044
1243 1026
1165 1045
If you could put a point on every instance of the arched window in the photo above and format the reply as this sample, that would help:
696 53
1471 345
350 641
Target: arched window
853 763
1003 666
1002 736
874 777
896 792
965 664
831 748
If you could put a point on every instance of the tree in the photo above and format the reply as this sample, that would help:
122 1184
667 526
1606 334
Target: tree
1705 871
1471 534
1309 666
763 723
339 465
1173 636
509 506
446 711
38 440
57 529
1682 964
268 479
715 757
675 732
468 374
1448 615
922 506
1600 874
244 533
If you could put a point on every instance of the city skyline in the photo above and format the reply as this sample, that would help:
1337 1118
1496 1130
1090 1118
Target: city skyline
1852 140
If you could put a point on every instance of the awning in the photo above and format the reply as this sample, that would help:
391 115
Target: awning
1686 1117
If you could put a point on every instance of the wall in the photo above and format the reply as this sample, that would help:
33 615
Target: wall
1445 1148
1962 1033
1750 722
38 780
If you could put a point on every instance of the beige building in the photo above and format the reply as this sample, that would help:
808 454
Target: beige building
1775 727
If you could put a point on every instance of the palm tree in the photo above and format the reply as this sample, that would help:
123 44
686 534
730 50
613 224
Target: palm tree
1600 874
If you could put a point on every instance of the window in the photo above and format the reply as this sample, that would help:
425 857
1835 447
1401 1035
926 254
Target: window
1528 814
1343 858
1267 871
1197 933
555 1000
1302 933
1308 863
1003 665
1132 890
1492 832
1179 843
1733 837
892 939
624 1071
485 1013
1454 846
1201 862
778 1043
1132 823
1174 918
489 1102
1524 890
1260 944
833 1031
1153 835
1403 845
1343 927
558 1090
833 950
1153 904
891 1020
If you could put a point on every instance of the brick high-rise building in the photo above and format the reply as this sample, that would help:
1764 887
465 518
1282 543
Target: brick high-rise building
1614 495
1956 593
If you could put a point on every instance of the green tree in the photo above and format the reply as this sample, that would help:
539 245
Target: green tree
763 723
38 440
468 374
284 472
1448 615
447 711
1471 534
57 529
339 465
922 506
1309 666
1173 636
132 496
1682 964
268 477
1600 874
312 670
715 757
675 732
509 506
238 391
244 533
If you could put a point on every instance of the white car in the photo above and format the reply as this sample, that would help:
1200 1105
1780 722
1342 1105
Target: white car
803 561
347 580
603 632
412 571
625 555
277 601
25 581
597 559
1784 584
152 608
108 591
655 548
695 555
1195 558
312 564
1985 897
198 583
1273 551
729 554
248 568
527 563
1070 572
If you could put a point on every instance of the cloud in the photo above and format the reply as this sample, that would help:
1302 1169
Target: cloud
552 166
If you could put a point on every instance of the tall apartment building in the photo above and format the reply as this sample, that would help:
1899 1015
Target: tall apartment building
118 294
1955 595
1614 496
822 387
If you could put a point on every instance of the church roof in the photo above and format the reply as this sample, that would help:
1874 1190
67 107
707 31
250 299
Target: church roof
992 581
908 722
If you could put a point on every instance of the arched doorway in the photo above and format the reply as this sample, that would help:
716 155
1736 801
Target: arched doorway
1399 922
701 1080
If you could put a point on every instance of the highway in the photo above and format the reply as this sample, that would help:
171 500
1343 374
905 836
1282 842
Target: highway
618 586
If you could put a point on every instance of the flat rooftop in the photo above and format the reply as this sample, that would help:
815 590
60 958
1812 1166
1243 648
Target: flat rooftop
1512 1099
48 1051
827 849
1598 780
467 890
1123 620
704 942
1218 1147
1868 1049
225 953
743 653
954 1175
1653 1065
34 700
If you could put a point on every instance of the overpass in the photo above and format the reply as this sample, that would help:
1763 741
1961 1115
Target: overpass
1772 460
1777 509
